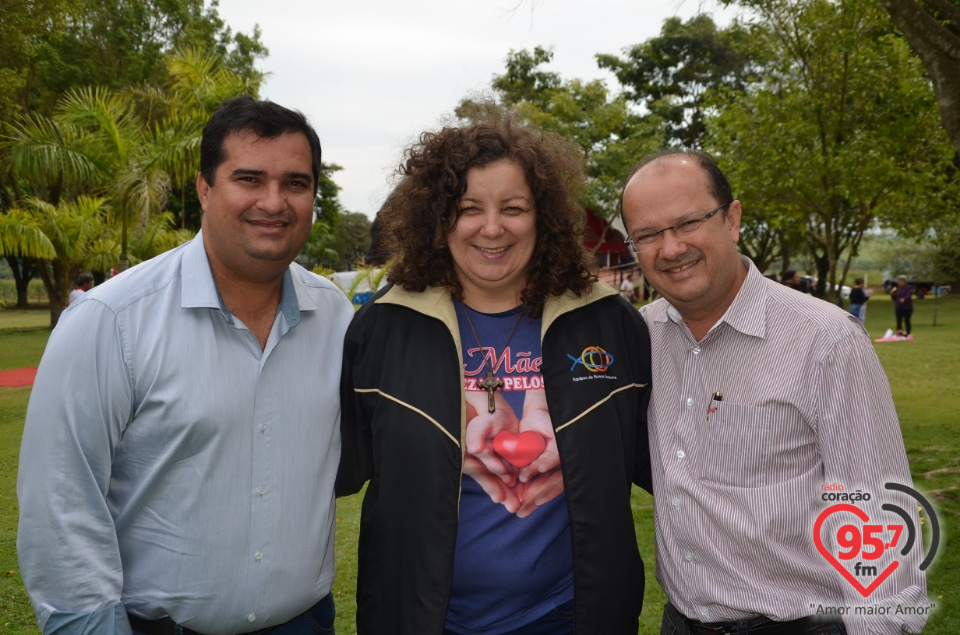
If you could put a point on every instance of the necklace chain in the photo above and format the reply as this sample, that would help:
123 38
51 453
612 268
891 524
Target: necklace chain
491 382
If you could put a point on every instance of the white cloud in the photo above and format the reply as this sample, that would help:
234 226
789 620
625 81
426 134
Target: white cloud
373 74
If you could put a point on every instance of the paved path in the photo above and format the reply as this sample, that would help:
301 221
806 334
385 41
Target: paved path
18 377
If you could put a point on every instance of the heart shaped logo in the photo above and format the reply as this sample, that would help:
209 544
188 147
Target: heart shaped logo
865 591
519 449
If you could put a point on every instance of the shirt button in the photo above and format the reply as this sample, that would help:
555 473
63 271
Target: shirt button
689 402
681 454
705 612
259 557
260 492
263 427
252 617
676 502
696 351
688 557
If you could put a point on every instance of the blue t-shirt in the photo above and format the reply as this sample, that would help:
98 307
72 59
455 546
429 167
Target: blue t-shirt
508 570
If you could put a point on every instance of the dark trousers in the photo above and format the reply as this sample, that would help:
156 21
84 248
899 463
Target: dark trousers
675 623
903 318
318 619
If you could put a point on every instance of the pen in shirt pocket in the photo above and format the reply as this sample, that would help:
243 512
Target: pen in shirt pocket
714 401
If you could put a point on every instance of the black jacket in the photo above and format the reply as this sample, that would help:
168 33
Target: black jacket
403 420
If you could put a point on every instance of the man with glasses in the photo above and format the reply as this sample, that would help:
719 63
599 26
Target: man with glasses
761 397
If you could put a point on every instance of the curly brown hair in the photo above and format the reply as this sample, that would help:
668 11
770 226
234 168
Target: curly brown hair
425 207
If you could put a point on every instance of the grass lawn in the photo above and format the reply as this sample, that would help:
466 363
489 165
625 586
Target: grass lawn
922 375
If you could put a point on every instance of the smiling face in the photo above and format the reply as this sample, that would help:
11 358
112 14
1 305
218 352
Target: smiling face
494 238
259 211
699 273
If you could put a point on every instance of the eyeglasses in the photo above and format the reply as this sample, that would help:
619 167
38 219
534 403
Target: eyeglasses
686 225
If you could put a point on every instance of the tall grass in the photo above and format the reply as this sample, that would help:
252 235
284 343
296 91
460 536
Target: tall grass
923 376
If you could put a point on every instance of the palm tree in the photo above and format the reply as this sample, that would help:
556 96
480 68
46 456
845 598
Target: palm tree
122 153
123 150
90 159
21 235
79 234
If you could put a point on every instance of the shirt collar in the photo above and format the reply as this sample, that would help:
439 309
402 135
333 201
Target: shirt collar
745 313
199 290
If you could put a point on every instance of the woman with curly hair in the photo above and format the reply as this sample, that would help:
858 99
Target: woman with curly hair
494 395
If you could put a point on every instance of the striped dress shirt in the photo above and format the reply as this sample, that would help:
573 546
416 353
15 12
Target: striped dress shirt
783 396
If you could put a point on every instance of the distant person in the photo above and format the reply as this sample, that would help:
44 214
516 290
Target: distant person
858 299
626 287
902 296
84 284
182 436
761 396
495 398
790 278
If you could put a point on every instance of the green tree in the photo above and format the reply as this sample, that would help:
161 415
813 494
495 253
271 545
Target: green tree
21 242
933 29
339 248
585 113
94 144
353 238
818 142
199 82
525 80
119 44
670 75
49 48
79 233
24 26
123 147
327 207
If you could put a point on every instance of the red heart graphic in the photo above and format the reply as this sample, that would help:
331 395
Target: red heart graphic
862 515
519 449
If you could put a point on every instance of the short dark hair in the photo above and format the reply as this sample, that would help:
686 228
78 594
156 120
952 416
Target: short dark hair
84 278
263 118
719 187
425 207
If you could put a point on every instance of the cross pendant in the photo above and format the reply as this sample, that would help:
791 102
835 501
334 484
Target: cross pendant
490 383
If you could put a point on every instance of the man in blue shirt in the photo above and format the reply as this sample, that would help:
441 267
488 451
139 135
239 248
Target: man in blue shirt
182 436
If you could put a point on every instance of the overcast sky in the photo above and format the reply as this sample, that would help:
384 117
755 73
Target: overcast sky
372 74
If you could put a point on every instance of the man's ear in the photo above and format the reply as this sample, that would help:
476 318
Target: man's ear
203 190
734 212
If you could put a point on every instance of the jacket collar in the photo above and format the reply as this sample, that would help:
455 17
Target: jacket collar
436 302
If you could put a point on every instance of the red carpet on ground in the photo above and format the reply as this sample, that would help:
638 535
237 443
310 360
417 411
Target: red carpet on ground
18 377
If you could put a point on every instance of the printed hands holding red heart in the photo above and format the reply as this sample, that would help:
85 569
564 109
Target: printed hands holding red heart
514 460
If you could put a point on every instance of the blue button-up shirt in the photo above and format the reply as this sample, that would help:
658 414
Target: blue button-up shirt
170 466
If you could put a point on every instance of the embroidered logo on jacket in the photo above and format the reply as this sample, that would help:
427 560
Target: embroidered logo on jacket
595 360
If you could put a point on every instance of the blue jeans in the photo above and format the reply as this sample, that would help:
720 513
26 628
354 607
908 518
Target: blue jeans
559 621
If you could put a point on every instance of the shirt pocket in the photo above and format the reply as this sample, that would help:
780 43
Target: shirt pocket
734 446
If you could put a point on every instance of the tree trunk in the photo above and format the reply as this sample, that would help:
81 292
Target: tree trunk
23 272
58 289
939 49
